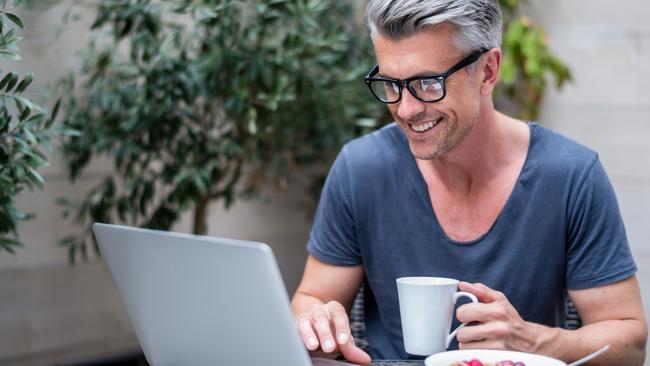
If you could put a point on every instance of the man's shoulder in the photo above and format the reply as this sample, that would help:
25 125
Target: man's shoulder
553 150
382 147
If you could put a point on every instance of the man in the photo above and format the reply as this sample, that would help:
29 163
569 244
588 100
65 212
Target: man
457 189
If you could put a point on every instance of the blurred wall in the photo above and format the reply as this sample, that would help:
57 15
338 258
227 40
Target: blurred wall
51 312
607 47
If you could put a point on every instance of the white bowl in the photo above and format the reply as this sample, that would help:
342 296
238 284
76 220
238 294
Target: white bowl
485 355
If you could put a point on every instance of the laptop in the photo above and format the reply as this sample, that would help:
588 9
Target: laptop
203 301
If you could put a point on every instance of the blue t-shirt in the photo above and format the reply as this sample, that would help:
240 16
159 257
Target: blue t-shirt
559 229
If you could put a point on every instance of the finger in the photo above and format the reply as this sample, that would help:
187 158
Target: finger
485 344
493 331
483 313
482 292
355 354
307 332
341 322
321 323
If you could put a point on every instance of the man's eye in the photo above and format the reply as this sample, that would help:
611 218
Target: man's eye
430 85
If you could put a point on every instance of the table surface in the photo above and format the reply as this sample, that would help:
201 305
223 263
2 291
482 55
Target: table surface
397 363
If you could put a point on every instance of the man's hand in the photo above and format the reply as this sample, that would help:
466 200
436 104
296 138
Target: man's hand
327 327
500 326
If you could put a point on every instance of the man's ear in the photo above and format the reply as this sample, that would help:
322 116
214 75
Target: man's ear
491 66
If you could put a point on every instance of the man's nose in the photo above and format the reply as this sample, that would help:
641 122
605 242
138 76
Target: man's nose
409 107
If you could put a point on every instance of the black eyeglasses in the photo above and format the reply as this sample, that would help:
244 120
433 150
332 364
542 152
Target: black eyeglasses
429 88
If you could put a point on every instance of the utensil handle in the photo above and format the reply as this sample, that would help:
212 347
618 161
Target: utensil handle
590 357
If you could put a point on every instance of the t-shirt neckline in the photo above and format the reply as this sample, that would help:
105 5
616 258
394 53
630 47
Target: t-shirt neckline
420 186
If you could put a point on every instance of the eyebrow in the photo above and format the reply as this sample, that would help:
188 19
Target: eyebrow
417 75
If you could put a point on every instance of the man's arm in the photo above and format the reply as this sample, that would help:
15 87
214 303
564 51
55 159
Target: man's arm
320 304
611 314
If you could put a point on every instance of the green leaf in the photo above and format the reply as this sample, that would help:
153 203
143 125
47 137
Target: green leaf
25 83
16 213
6 79
13 80
9 244
10 55
55 112
102 17
35 120
25 102
200 184
37 179
16 20
366 122
30 136
25 114
71 132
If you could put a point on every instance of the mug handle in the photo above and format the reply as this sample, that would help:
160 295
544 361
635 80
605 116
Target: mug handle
457 295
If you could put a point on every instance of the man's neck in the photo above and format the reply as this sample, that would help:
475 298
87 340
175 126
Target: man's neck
491 144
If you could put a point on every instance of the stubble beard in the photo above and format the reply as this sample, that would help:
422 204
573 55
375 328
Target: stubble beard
445 141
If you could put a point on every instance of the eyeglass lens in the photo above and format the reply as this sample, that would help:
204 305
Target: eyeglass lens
427 89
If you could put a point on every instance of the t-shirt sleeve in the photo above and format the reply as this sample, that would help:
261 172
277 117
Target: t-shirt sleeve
333 237
598 251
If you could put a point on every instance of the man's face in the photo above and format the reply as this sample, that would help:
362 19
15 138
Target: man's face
433 129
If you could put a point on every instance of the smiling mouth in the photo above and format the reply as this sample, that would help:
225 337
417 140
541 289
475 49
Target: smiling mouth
424 127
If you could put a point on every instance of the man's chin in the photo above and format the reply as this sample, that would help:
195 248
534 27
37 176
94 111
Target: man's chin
424 152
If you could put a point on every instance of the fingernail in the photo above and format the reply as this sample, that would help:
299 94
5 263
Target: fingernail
312 342
328 345
343 338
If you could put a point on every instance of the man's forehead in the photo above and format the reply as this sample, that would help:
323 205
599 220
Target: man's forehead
425 52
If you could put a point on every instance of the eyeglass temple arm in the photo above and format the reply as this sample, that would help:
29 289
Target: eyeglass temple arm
373 72
467 61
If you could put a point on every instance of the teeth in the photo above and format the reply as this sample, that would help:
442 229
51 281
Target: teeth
424 126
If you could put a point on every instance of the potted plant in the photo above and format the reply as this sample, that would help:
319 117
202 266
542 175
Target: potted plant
202 101
24 133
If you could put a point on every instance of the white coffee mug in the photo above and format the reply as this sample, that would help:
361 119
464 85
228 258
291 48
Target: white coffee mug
426 306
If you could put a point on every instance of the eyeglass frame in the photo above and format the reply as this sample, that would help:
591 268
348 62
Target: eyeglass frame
406 83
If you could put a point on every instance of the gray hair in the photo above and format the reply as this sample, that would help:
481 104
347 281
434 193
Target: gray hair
477 23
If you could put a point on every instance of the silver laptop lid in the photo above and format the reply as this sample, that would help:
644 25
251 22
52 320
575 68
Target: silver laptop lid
198 301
